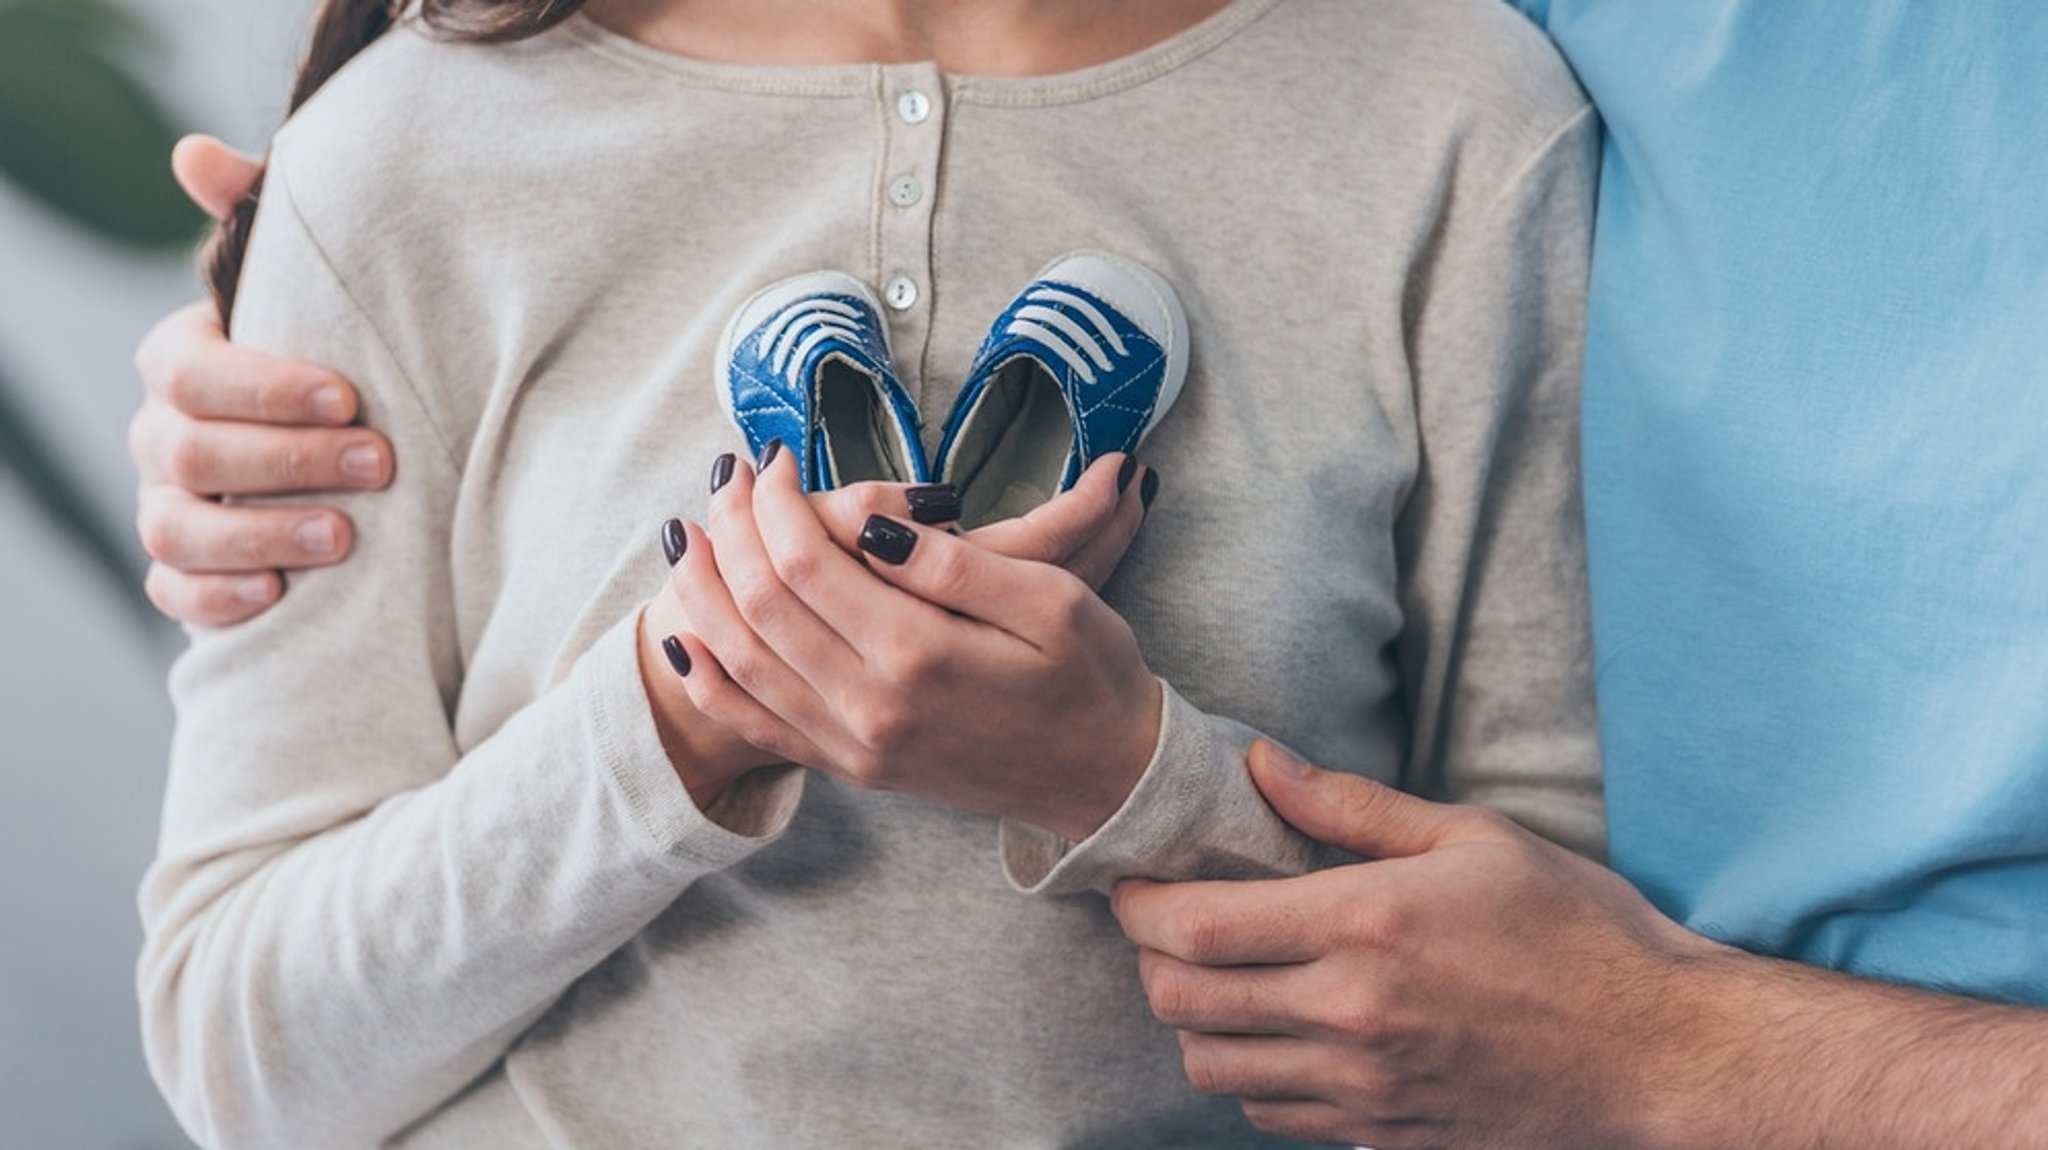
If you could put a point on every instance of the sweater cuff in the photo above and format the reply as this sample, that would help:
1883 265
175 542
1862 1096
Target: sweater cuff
754 811
1194 813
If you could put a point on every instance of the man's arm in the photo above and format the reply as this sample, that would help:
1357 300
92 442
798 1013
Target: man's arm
217 420
1476 986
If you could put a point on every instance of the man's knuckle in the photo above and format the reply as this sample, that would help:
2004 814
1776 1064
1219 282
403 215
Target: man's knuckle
248 544
140 435
291 464
1205 1071
1364 1016
1379 925
162 534
190 459
1488 823
1172 995
161 585
1267 1118
1202 935
1376 1089
284 400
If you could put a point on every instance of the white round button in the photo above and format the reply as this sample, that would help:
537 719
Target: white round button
900 293
905 191
914 107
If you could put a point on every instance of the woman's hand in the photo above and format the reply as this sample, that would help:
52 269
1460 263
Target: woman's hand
941 667
218 420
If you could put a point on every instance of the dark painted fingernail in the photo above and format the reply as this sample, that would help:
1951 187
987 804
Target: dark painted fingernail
673 541
677 657
1124 473
768 454
887 540
721 471
935 503
1149 490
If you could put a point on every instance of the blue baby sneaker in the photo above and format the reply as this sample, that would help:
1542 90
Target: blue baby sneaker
1086 361
806 361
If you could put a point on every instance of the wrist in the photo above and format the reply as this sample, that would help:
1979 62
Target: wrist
1125 758
706 758
1713 1057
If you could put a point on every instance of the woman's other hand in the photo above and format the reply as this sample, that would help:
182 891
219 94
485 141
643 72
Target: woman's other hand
993 682
218 420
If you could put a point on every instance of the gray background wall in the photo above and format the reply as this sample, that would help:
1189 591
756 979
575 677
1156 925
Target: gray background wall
83 721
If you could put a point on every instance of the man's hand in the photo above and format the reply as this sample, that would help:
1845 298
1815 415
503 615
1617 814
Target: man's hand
1461 991
217 420
1475 986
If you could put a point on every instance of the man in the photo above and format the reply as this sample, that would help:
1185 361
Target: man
1817 383
1816 445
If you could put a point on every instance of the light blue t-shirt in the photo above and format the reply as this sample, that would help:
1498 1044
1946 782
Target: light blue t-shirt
1816 442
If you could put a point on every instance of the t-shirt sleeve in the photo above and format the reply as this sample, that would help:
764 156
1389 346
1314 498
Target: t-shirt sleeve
1495 651
351 915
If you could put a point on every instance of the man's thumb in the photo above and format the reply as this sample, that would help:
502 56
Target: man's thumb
1346 811
216 176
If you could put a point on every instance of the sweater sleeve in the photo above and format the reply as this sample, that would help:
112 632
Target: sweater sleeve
1495 651
1496 655
351 916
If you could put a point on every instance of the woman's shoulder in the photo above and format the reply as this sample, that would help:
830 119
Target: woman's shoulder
1476 69
416 130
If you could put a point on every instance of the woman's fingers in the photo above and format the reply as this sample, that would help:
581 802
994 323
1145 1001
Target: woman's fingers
199 536
1102 552
215 458
214 175
866 613
713 692
759 584
843 511
1055 530
1031 601
187 361
745 657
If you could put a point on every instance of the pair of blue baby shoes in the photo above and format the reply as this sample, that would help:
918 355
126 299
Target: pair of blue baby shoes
1085 361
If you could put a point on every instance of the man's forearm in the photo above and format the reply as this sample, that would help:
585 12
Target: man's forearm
1780 1056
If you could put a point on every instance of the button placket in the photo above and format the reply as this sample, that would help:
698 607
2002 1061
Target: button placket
914 113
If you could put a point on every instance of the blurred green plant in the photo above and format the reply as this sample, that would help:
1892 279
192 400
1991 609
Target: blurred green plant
85 138
78 131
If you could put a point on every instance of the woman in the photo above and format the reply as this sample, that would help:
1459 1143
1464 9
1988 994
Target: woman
451 855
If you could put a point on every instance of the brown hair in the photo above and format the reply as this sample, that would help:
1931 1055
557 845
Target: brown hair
343 29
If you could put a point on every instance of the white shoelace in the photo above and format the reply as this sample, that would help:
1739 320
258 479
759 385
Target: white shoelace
1064 336
791 337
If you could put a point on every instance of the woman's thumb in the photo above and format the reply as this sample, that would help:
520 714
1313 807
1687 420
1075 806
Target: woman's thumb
1347 811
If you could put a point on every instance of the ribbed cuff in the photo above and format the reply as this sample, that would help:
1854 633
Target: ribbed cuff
754 811
1192 789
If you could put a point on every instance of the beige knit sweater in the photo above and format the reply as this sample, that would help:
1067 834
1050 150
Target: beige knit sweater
425 874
